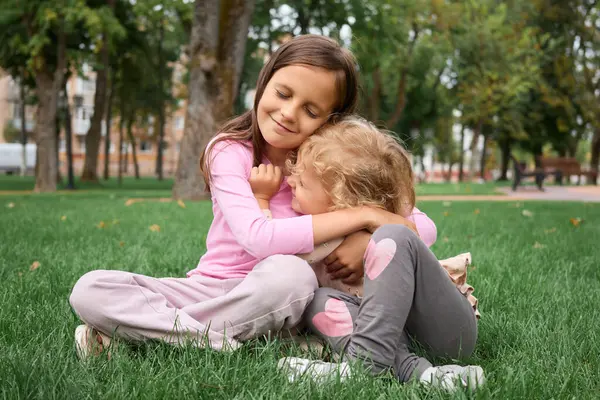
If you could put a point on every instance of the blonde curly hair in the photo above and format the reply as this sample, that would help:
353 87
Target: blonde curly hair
358 165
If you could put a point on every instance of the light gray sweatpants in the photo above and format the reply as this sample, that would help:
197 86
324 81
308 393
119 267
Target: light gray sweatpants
407 295
222 312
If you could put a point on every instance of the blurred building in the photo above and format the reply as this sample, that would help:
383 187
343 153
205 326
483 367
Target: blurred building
81 90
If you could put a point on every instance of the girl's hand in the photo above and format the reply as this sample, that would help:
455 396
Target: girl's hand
265 181
378 217
346 262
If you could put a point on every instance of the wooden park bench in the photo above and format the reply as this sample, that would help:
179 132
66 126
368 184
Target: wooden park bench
567 166
520 171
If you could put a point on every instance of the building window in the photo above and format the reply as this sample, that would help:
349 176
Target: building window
89 85
145 146
179 122
16 114
81 143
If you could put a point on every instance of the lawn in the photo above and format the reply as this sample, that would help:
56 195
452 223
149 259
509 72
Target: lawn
438 189
536 276
130 187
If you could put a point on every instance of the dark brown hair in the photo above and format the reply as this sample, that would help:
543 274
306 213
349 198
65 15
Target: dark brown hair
313 50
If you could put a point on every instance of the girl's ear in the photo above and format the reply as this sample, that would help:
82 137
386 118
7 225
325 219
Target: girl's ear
334 118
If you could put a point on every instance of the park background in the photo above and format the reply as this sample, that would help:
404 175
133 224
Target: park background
118 89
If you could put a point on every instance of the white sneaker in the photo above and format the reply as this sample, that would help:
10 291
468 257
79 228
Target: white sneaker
453 377
319 371
90 342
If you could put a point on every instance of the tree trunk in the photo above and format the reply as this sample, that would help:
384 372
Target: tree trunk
423 178
108 114
136 167
401 92
56 146
94 134
126 159
45 180
234 20
161 110
461 163
449 176
483 157
537 153
595 150
120 168
432 173
505 161
375 96
302 20
69 141
214 50
473 148
23 169
48 86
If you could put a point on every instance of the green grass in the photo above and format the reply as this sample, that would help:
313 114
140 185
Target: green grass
439 189
130 187
539 335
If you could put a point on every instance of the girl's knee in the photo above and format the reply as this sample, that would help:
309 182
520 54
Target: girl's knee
288 274
398 233
87 293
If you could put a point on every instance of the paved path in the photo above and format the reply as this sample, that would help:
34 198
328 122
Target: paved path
552 193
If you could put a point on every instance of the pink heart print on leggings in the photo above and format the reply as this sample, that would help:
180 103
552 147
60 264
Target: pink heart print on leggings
335 321
378 256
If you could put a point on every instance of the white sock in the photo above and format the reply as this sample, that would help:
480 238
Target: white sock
427 375
318 371
452 377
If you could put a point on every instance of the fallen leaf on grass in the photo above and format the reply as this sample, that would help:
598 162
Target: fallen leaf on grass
108 224
468 189
476 212
10 205
132 201
180 203
155 228
551 230
576 221
121 243
446 213
538 245
445 239
63 218
34 266
527 213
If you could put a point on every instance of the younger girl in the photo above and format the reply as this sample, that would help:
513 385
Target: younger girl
247 284
406 292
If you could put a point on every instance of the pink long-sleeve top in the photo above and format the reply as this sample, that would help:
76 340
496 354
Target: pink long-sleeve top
241 235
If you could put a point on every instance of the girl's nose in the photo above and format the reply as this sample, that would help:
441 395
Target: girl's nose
288 112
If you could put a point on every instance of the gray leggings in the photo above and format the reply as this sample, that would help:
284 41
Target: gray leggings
407 295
